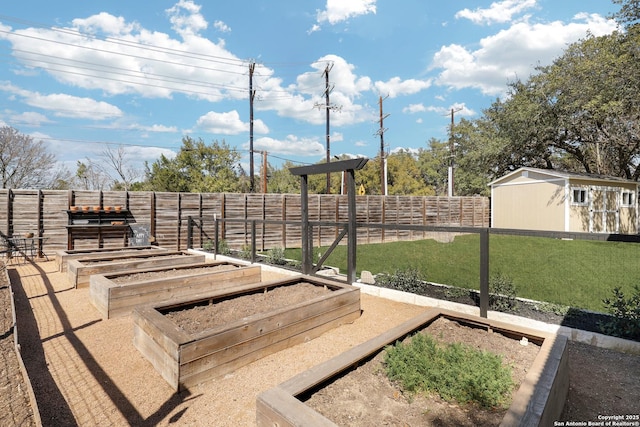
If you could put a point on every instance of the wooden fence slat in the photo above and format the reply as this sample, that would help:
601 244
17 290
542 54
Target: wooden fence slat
167 214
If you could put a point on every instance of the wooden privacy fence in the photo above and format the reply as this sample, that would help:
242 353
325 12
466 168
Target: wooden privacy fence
165 215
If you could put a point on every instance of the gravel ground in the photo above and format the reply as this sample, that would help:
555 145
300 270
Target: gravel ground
85 371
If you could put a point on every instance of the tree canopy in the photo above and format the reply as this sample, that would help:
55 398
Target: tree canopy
198 168
581 113
26 163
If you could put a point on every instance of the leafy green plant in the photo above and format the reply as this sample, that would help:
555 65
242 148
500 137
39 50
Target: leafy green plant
407 280
455 371
223 247
245 252
626 314
550 307
502 293
276 256
208 246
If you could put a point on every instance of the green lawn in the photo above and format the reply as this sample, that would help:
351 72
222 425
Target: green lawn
577 273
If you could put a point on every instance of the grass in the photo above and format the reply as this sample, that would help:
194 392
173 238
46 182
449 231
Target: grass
577 273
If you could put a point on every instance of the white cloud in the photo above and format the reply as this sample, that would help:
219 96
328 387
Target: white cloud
186 18
222 27
460 109
500 12
512 53
291 145
142 62
228 123
396 86
63 105
30 118
341 10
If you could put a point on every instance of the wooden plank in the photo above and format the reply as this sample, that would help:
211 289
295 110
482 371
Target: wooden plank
261 325
122 300
275 407
232 365
79 271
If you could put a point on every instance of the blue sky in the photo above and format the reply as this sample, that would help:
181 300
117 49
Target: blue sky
85 76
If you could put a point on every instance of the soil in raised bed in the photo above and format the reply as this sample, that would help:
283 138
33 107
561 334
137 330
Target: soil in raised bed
365 396
155 256
152 275
197 318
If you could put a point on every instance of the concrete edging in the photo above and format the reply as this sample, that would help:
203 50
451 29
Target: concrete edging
577 335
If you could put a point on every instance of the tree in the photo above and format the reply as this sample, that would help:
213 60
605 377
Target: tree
90 176
433 165
629 12
582 114
283 181
118 161
198 168
26 163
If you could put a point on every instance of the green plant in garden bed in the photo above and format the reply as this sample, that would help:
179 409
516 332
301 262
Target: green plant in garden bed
626 312
454 371
276 256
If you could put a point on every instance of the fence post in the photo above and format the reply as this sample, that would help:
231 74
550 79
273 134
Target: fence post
215 237
189 232
484 272
253 241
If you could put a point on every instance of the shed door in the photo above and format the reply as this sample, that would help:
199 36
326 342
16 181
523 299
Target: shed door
604 214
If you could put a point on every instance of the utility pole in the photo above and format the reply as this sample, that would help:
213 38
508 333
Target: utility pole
450 187
252 94
328 107
264 172
383 160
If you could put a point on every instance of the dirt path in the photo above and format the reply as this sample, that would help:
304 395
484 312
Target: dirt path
86 371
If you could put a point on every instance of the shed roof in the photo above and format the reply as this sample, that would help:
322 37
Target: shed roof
564 175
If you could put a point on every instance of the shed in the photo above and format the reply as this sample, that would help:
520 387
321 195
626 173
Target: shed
545 199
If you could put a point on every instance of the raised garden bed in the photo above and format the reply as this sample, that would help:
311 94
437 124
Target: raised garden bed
538 401
185 356
80 270
63 256
118 293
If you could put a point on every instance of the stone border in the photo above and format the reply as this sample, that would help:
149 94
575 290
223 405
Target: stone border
577 335
538 401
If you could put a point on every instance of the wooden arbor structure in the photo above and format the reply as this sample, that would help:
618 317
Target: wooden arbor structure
349 167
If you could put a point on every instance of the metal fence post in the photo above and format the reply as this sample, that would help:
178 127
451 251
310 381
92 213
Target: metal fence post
484 272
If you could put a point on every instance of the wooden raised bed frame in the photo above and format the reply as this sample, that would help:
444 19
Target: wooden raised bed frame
112 299
63 256
186 360
80 270
538 401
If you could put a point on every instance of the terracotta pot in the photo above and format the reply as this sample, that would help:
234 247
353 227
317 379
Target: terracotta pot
107 209
73 209
118 208
28 235
85 209
96 208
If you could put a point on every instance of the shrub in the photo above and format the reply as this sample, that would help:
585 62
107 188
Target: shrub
245 252
502 294
626 314
208 246
407 280
455 371
223 247
276 256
